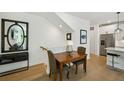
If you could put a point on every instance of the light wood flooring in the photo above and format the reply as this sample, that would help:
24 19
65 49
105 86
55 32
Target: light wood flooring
31 74
96 71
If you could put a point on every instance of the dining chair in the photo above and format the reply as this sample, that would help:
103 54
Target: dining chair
54 69
80 50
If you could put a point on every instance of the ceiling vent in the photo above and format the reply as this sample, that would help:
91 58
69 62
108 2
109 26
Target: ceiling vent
91 28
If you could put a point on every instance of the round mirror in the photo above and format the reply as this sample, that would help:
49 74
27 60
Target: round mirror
15 36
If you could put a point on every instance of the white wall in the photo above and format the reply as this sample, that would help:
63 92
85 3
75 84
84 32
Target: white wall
76 24
41 33
94 40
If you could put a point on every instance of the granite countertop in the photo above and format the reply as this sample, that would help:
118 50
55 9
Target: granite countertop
118 49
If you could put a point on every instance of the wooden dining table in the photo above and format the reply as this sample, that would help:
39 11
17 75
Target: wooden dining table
65 58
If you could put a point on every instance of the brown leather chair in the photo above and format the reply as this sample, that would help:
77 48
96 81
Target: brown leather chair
54 69
80 50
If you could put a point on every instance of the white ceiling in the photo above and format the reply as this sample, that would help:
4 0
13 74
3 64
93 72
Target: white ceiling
54 19
93 17
98 17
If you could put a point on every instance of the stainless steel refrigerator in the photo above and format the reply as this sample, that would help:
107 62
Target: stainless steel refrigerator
106 40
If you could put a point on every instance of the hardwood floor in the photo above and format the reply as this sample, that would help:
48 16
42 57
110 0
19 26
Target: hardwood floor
31 74
96 70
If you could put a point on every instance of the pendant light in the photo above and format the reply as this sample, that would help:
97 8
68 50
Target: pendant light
118 30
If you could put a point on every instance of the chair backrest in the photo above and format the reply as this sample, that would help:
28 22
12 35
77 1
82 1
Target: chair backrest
81 50
52 61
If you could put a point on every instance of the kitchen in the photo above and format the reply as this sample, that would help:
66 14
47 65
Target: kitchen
111 42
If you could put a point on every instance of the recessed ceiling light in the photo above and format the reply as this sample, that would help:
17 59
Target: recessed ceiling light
60 26
108 21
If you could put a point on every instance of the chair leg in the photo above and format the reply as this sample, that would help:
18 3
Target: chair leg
55 76
76 72
49 74
68 75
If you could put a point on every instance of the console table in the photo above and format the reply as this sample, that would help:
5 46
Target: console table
13 58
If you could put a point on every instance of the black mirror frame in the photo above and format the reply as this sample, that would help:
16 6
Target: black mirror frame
3 35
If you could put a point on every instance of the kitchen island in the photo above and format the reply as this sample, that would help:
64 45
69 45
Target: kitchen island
118 61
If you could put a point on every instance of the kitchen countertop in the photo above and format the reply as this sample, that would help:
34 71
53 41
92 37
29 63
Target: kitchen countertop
117 49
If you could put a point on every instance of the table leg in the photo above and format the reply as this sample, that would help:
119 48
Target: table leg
76 69
85 65
56 74
61 69
55 77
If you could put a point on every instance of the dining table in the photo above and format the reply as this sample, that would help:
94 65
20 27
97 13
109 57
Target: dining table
63 58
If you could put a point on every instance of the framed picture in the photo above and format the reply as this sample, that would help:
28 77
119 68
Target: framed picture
68 36
83 36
